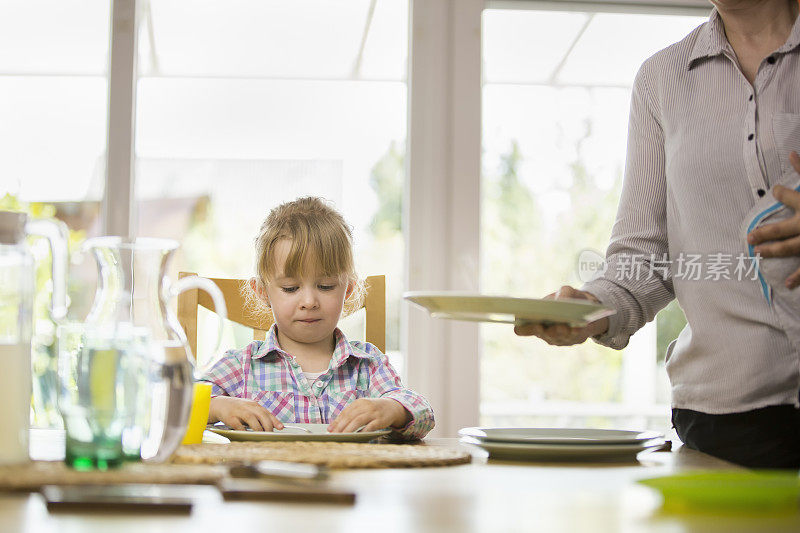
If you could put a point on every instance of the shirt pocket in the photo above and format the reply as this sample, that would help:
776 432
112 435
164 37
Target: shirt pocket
786 131
338 400
280 404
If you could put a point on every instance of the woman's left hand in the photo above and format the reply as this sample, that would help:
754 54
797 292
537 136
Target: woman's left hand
373 413
782 239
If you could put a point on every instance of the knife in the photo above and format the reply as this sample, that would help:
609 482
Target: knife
279 470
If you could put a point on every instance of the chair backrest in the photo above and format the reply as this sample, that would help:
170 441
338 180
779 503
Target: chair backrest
374 306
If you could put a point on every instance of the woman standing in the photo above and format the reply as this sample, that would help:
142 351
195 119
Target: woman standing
710 182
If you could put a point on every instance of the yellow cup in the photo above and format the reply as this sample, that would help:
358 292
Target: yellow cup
198 418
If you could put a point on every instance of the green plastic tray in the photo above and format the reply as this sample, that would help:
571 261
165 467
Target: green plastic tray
728 489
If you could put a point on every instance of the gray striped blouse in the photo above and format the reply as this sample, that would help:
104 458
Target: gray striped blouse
704 148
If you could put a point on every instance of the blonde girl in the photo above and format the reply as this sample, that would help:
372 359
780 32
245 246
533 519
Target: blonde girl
306 370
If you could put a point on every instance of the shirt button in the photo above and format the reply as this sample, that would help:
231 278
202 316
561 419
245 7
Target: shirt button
750 137
761 192
771 60
318 384
751 98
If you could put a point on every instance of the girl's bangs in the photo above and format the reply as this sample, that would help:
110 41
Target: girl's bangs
315 254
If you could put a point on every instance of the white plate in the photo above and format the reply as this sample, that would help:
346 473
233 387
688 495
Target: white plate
507 309
577 436
563 452
209 437
318 432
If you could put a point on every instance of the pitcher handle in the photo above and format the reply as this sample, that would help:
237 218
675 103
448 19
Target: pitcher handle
57 234
205 284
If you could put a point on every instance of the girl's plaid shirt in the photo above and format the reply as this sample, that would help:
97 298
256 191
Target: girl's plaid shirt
263 372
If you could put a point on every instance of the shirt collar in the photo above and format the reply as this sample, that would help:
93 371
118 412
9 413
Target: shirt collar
711 40
794 39
269 345
342 351
345 350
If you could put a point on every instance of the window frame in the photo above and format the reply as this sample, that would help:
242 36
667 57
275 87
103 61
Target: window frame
119 191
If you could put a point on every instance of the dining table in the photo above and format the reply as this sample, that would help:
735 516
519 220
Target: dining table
483 495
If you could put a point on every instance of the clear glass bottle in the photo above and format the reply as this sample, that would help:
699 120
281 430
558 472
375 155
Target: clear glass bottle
16 322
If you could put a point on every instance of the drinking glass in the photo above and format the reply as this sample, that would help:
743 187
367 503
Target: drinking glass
104 374
198 416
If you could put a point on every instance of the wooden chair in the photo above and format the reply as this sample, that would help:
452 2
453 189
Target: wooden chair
374 305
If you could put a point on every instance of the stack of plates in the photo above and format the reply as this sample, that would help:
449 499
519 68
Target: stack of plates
561 444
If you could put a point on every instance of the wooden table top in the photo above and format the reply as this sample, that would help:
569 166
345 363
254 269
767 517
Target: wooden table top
482 496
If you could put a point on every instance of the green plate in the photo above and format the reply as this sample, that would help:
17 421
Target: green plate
728 489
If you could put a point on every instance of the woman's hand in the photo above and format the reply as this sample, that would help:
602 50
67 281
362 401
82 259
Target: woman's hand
562 334
782 239
374 413
236 412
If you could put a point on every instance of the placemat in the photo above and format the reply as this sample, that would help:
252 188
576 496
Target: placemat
330 454
31 476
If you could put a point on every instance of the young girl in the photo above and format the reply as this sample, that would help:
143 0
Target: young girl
307 370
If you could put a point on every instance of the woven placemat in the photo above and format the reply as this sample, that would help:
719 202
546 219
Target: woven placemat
330 454
31 476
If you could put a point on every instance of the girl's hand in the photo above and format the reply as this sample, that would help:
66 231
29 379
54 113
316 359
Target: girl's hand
562 334
374 413
236 412
782 238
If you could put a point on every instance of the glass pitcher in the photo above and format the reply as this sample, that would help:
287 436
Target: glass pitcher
133 293
16 321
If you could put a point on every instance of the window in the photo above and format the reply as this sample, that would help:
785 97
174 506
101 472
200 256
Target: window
244 105
556 95
53 94
53 104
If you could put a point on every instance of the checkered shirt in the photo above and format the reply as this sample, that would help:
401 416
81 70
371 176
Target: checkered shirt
263 372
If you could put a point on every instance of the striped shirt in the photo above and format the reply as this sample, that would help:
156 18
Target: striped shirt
704 148
263 372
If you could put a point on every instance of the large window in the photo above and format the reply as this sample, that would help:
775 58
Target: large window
555 107
244 105
53 106
239 106
53 99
